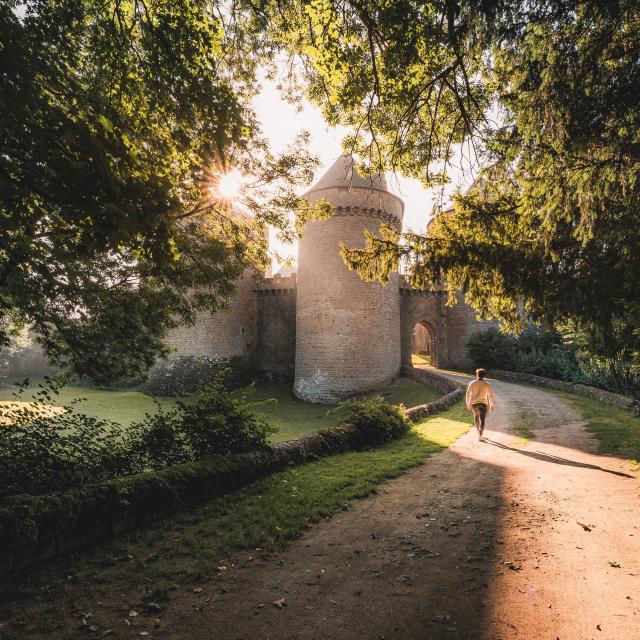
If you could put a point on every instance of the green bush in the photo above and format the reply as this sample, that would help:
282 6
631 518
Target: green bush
492 349
43 450
214 423
559 363
545 353
376 420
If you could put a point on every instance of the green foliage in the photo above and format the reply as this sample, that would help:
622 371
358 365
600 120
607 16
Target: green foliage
377 420
550 230
116 119
492 348
269 513
393 72
44 448
215 423
535 351
611 352
569 357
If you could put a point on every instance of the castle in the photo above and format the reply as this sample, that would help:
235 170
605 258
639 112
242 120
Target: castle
324 328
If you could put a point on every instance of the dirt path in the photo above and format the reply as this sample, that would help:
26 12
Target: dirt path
482 541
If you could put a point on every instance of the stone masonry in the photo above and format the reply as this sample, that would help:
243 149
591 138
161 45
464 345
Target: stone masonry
324 328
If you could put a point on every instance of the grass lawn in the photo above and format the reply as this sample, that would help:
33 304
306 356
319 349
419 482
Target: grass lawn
526 421
123 407
420 359
617 432
295 418
266 515
292 416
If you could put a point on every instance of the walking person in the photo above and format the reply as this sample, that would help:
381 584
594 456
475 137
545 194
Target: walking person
479 400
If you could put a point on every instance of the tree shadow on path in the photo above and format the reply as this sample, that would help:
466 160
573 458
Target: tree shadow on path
548 457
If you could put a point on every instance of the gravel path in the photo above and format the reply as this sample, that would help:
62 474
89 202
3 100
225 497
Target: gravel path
482 541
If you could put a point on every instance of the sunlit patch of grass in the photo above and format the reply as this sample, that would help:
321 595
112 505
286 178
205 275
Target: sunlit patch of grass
617 432
123 407
10 406
291 416
420 359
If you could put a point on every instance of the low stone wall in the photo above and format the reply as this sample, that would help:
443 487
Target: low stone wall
37 528
454 391
600 395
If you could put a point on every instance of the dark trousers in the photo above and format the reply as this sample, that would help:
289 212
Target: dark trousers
479 414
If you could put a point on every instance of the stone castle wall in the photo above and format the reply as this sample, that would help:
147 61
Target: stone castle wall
347 330
227 333
461 323
276 327
327 329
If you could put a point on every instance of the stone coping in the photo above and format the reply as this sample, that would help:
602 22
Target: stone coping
34 529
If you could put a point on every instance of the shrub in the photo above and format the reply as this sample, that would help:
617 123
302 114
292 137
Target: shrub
214 423
547 353
559 363
43 449
187 374
492 349
377 420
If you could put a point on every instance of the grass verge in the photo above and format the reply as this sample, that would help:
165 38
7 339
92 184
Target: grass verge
617 432
527 420
266 515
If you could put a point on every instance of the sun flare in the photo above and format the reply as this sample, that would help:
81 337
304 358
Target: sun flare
228 185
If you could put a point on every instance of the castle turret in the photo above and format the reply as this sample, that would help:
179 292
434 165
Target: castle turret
347 330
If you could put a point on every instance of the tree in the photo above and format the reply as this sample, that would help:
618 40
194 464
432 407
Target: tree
551 230
116 118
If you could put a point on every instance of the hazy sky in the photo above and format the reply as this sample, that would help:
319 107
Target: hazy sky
281 123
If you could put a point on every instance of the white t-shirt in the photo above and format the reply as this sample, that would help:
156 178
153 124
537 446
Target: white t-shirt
479 392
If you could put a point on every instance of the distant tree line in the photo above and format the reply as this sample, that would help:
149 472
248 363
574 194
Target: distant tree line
562 355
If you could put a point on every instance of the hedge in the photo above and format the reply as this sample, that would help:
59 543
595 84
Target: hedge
37 528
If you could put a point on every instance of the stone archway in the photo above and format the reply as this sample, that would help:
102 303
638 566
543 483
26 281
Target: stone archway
424 344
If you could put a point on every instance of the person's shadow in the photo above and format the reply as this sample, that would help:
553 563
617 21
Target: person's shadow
547 457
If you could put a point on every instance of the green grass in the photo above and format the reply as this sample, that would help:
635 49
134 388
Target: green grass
617 432
123 407
267 515
275 510
527 419
420 359
292 417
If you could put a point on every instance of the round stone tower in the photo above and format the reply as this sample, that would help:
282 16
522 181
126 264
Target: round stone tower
347 330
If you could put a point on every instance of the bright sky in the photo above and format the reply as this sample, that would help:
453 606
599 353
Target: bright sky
281 123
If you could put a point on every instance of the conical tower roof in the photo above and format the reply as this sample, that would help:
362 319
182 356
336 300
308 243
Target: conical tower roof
343 173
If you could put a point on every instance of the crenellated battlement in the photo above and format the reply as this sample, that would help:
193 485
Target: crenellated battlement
373 212
277 284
